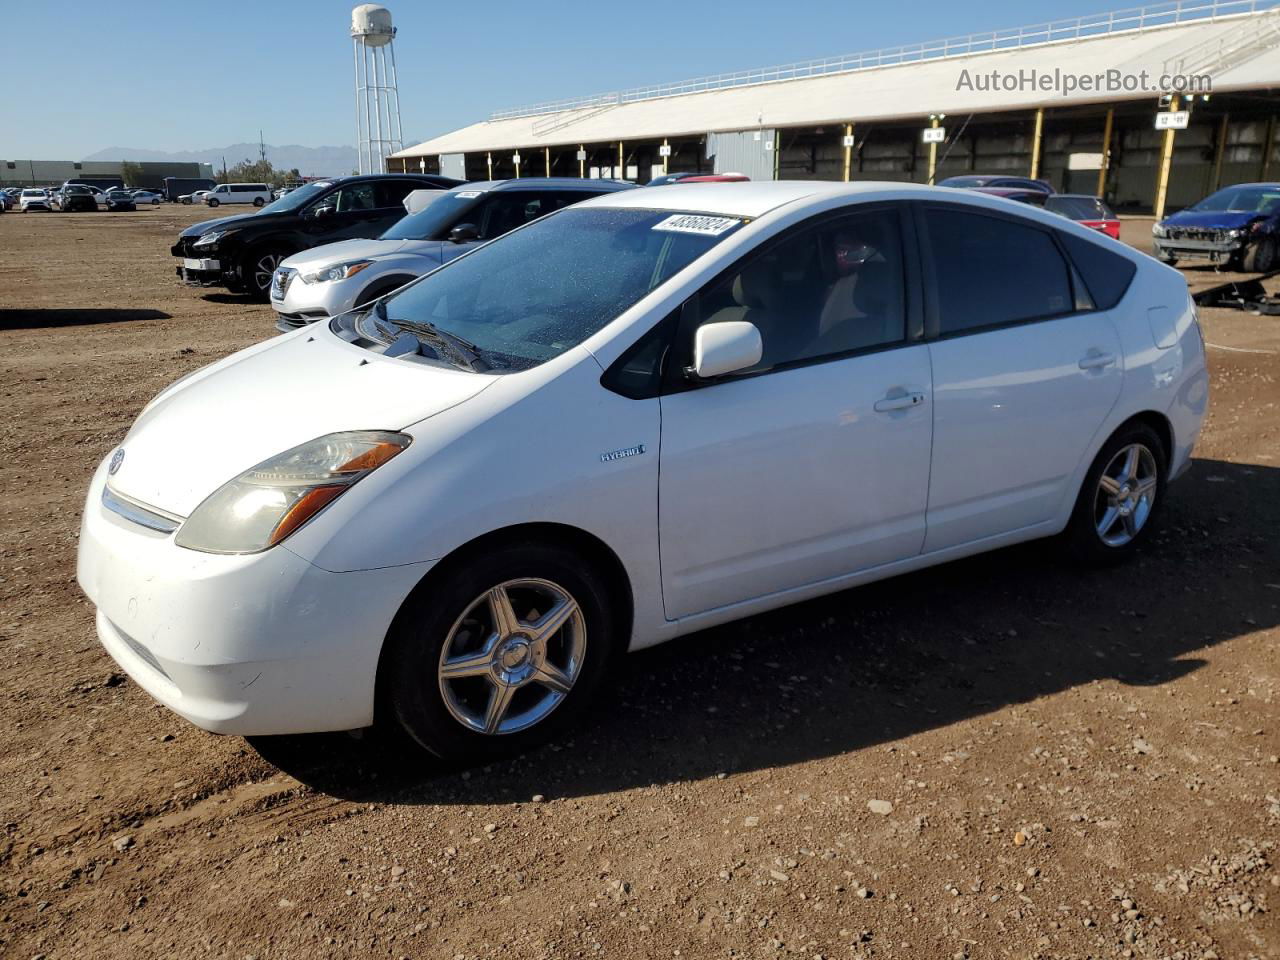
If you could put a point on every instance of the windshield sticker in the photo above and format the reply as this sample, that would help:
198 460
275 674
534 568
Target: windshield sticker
696 223
468 194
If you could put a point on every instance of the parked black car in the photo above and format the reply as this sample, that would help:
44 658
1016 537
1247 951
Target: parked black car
74 197
1000 180
242 252
120 199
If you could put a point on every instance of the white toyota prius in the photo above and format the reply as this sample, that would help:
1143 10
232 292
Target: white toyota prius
637 417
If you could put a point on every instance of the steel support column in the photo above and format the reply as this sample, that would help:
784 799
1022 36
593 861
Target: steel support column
1035 143
1166 161
1106 151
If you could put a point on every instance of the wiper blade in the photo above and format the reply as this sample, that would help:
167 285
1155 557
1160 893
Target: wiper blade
463 350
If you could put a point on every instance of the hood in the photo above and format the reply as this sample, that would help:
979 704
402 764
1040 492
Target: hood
331 253
262 401
1210 219
237 220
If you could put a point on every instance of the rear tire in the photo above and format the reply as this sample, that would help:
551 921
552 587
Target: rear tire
464 681
1120 498
1260 257
1169 261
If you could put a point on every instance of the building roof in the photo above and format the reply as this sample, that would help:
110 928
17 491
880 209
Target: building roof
1229 48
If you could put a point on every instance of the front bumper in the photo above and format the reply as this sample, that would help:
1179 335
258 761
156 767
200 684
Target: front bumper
200 272
260 644
1182 248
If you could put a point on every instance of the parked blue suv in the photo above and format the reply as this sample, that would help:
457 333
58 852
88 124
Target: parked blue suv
1237 227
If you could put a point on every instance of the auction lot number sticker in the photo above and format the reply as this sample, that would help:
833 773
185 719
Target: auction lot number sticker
697 223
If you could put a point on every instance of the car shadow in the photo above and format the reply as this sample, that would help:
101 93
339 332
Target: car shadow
874 664
34 319
235 298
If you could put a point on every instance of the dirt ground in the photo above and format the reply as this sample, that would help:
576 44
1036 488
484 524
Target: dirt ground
1002 757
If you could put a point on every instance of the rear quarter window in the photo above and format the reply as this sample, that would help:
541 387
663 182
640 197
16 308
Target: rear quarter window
1106 274
993 271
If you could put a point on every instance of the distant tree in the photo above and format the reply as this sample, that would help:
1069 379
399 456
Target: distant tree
131 173
257 171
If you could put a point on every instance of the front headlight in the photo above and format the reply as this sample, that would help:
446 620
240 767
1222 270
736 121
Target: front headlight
1158 230
210 238
339 271
267 503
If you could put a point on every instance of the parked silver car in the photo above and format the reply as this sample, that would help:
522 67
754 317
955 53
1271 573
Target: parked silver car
332 279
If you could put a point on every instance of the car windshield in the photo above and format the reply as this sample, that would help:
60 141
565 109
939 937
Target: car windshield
1078 208
297 199
439 217
542 289
1241 200
33 193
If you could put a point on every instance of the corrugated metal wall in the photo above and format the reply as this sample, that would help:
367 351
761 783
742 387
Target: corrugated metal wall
453 165
739 151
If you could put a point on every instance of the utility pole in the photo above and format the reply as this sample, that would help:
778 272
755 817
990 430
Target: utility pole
262 148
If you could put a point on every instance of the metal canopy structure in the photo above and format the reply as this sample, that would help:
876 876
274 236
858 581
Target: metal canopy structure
1224 38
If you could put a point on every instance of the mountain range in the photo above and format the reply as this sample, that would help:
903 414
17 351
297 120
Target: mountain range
310 161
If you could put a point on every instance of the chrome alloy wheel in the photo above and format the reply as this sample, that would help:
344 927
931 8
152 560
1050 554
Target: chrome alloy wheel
513 656
265 269
1126 493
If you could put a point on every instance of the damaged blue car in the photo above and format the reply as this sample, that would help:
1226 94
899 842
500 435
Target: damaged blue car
1237 227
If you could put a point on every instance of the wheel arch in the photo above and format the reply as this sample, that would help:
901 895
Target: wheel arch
383 285
586 544
1160 424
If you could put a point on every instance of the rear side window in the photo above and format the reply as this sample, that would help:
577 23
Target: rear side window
991 271
391 193
1106 274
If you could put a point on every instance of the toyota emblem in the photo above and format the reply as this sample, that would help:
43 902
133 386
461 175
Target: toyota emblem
117 458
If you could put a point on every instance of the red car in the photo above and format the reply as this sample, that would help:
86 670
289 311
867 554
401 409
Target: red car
1087 211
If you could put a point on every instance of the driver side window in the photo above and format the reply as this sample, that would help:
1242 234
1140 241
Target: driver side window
831 289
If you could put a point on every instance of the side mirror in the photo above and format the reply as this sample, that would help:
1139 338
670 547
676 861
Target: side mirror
726 347
464 233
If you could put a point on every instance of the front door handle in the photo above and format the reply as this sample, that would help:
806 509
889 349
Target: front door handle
902 401
1096 360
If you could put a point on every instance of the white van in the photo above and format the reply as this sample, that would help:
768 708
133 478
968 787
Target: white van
255 193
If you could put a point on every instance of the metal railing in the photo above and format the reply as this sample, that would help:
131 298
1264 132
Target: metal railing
1077 28
1241 43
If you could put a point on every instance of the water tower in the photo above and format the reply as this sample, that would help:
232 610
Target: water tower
377 100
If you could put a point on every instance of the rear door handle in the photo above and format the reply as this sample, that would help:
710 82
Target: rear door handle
901 402
1096 361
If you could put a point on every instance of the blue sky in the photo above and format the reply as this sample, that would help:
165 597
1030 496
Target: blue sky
190 75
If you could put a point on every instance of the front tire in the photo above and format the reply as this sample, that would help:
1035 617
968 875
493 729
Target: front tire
1260 257
256 270
213 203
501 652
259 202
1121 495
